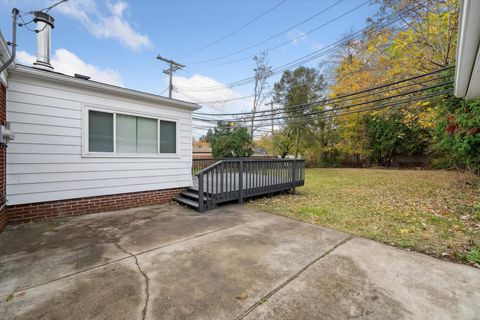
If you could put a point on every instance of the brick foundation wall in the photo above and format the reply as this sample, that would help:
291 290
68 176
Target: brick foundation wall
3 111
73 207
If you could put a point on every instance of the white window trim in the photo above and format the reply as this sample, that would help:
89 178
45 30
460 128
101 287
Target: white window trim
85 130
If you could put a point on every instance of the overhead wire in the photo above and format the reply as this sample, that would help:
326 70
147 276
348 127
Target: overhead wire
257 119
272 111
368 90
32 12
234 31
268 112
382 106
443 92
270 37
394 17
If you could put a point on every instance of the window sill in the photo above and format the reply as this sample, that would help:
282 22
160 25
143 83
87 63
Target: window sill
130 155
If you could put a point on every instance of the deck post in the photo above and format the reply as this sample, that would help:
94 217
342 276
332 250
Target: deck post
201 207
240 182
293 175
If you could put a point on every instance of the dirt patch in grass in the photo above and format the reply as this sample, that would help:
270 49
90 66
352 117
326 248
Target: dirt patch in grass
434 212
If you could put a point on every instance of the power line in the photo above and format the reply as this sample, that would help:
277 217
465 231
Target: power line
323 102
363 103
272 36
447 91
383 24
32 12
53 6
294 39
280 109
332 109
333 115
316 54
341 96
234 31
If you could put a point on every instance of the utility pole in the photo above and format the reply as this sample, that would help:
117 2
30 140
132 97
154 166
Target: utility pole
173 66
271 110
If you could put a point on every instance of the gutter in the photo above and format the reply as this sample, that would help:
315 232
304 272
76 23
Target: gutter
60 78
15 13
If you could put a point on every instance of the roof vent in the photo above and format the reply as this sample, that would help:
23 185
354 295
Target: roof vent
43 29
81 76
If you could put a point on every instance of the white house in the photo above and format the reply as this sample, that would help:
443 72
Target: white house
82 146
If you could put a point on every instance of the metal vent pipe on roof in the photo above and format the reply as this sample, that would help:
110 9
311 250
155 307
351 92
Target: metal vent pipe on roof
44 25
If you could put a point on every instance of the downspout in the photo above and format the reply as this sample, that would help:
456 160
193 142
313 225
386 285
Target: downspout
15 13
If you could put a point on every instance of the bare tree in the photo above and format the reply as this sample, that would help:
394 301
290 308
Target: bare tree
260 91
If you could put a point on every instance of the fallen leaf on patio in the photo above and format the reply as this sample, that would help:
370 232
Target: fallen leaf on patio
10 297
242 296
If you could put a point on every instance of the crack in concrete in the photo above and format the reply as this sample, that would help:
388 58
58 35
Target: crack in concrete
147 279
293 277
128 256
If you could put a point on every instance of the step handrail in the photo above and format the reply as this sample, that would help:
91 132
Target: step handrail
208 168
201 195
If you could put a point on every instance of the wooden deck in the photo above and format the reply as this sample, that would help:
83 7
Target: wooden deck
237 179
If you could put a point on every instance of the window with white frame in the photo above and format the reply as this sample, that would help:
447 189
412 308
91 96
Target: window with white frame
113 132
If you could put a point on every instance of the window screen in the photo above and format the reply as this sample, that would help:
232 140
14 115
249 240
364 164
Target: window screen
100 131
168 137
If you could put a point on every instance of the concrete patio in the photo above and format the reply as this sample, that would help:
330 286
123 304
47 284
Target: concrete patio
168 262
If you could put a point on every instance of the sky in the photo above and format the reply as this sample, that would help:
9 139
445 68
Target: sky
117 41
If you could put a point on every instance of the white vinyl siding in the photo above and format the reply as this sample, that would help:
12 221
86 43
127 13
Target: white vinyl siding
46 161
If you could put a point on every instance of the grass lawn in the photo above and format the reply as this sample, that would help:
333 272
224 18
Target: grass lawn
434 212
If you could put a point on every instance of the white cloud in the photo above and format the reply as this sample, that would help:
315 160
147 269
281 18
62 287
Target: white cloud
190 89
106 25
68 63
316 45
296 36
25 58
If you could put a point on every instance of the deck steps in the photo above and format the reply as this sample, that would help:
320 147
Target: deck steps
186 201
189 198
192 194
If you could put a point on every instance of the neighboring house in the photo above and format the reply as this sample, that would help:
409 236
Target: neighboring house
82 146
205 152
467 71
261 153
202 152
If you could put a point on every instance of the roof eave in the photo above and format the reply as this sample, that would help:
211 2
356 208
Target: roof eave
102 87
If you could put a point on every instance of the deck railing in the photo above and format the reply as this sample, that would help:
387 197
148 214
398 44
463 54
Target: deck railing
237 179
200 164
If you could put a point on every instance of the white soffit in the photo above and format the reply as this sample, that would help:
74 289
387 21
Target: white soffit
467 71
